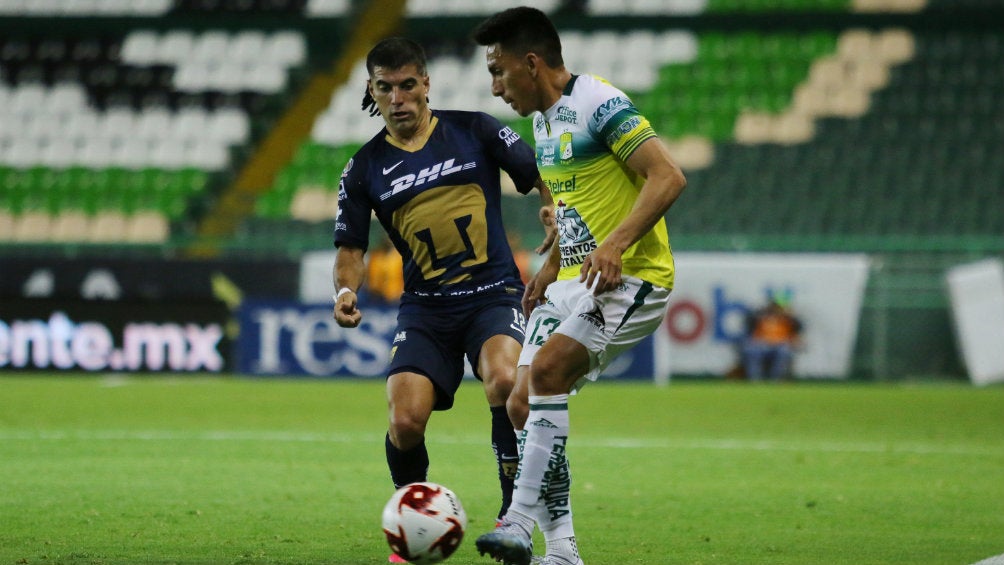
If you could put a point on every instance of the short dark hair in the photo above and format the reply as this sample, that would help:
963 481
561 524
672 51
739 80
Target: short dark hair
392 53
522 30
396 52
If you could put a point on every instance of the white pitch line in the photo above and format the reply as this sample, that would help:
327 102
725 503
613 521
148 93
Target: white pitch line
169 435
580 442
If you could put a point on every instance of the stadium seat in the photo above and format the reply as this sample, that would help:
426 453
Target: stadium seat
173 47
426 8
70 226
33 226
327 8
108 226
147 226
286 48
314 205
7 224
156 103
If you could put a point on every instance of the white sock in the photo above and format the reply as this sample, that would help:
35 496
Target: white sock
565 548
543 481
526 523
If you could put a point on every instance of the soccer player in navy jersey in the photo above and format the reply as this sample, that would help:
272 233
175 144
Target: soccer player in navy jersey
432 179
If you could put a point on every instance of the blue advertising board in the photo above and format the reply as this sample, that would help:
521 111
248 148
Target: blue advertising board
291 338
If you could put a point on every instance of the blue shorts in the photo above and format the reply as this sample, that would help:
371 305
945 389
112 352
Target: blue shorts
432 337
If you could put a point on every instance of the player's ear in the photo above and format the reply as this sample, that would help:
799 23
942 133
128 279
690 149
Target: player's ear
532 63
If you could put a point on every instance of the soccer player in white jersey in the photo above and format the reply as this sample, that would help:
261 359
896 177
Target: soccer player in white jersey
607 281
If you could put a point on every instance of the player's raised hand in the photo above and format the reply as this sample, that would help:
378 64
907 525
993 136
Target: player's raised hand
546 215
346 313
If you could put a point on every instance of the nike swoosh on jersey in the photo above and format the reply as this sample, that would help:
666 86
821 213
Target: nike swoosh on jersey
387 171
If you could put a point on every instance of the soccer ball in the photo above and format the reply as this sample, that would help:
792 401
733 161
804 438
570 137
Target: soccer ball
424 522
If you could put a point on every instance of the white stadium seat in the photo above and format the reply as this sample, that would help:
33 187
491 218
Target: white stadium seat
175 47
247 46
327 8
141 48
286 47
153 123
229 125
210 46
59 153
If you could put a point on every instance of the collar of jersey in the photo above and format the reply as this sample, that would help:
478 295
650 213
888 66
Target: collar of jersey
569 86
549 113
419 142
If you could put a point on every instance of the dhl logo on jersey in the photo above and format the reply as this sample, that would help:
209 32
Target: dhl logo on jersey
427 174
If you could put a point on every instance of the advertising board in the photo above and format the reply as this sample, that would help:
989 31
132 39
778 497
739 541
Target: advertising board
290 338
147 279
113 336
715 292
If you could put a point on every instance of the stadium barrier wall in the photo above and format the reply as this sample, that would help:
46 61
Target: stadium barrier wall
976 291
296 339
136 315
47 335
715 291
96 278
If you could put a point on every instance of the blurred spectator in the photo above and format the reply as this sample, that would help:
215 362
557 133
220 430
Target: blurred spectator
773 336
520 255
385 273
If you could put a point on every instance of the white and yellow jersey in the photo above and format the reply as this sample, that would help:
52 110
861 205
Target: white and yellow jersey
582 145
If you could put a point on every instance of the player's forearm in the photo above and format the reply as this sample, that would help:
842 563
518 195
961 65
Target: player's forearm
554 257
545 194
656 197
546 216
350 269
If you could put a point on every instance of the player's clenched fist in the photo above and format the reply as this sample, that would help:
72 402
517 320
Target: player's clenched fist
346 313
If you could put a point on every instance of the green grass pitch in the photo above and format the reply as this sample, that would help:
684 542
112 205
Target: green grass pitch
153 470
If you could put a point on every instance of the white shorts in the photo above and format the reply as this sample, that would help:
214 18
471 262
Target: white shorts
607 325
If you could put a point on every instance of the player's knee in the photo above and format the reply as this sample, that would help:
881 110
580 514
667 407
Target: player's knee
518 409
499 382
406 430
549 375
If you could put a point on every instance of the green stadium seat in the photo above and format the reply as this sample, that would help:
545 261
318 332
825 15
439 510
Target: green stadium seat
273 205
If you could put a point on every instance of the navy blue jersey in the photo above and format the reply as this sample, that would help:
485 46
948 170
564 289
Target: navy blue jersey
440 203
